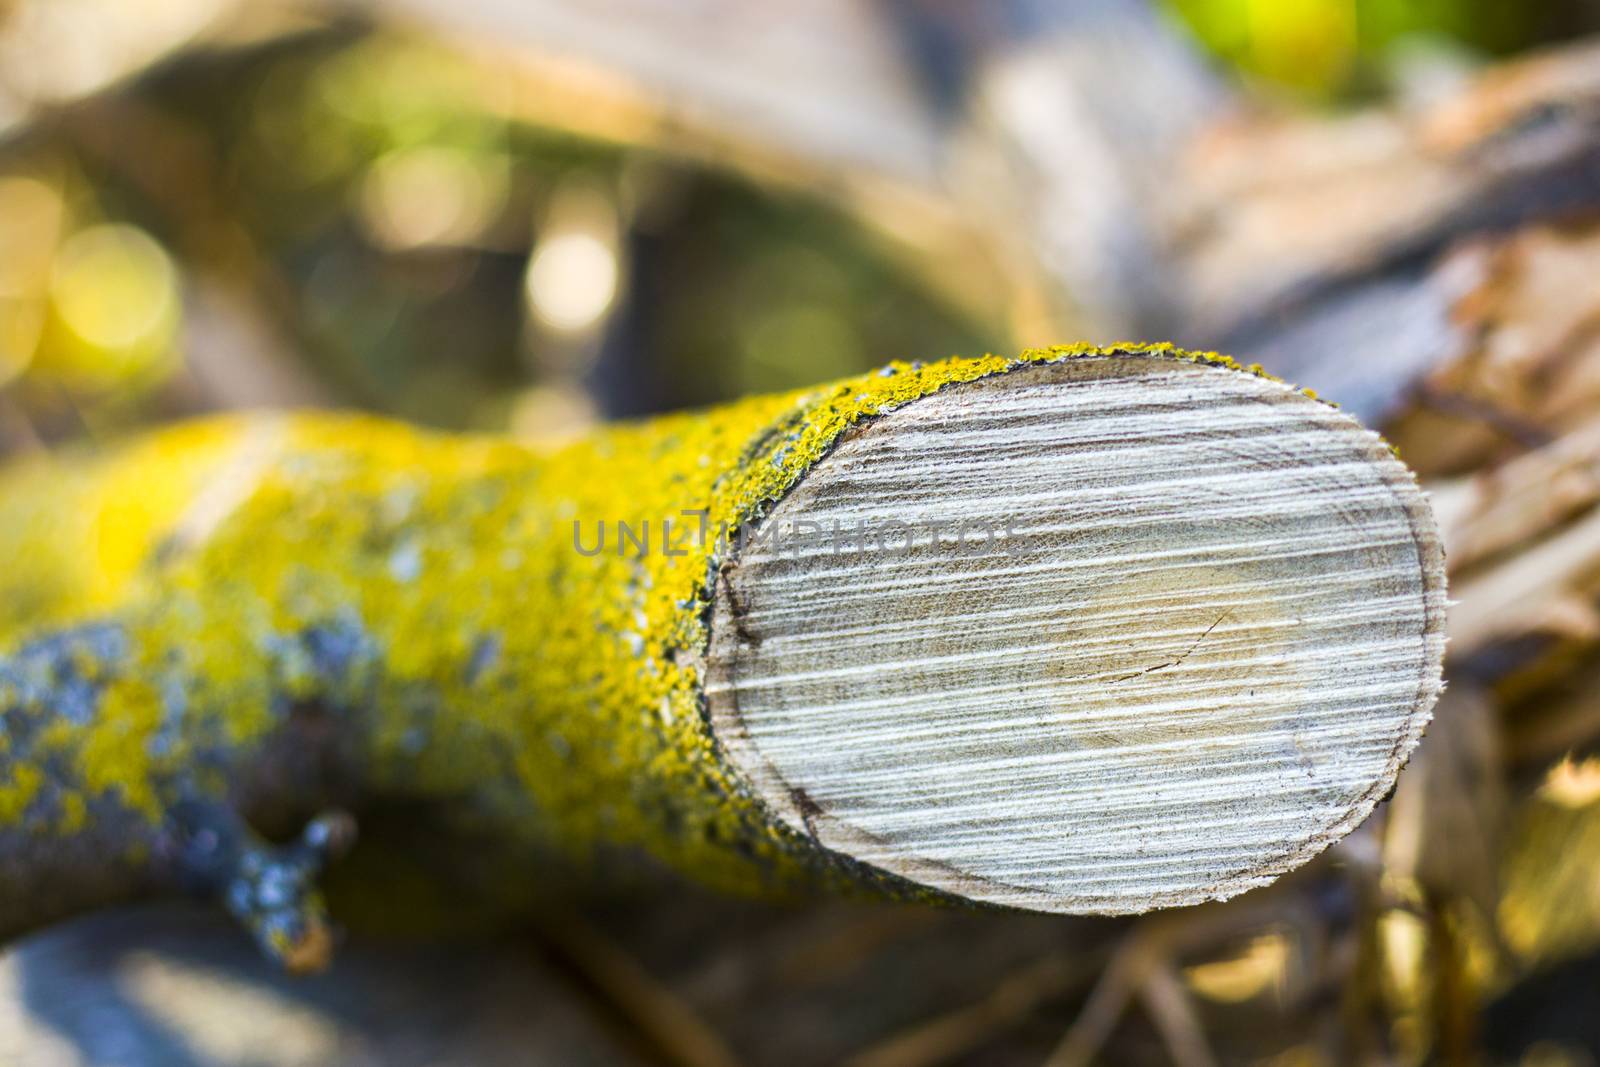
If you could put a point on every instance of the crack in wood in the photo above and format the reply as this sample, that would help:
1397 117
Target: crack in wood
1183 656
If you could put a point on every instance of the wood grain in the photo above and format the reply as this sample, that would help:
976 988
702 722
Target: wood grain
1200 655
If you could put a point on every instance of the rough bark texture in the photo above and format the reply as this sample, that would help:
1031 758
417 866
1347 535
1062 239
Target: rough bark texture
271 614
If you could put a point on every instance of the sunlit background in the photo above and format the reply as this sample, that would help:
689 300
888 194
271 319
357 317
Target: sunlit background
340 214
299 210
208 205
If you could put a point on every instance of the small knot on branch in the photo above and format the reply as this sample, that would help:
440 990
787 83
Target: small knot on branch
270 889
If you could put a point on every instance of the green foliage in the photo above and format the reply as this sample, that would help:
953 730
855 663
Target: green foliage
376 200
1332 49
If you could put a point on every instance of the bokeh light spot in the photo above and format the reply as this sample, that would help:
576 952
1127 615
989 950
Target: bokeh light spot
114 290
572 280
433 195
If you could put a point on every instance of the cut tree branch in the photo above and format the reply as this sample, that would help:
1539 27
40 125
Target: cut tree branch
1084 631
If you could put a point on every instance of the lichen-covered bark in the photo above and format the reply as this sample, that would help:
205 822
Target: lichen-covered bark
270 614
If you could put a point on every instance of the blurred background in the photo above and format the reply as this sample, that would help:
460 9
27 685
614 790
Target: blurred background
526 217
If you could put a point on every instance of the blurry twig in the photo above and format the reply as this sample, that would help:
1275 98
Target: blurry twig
1009 1003
668 1027
1136 970
1138 954
1508 424
1172 1010
1455 1006
1497 511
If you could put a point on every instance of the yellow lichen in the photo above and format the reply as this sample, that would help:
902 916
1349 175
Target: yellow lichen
74 813
18 791
114 755
426 588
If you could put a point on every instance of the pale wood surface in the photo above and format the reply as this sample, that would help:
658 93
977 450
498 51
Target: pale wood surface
1202 655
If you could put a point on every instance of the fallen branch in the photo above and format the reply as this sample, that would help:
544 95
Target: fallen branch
1085 631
